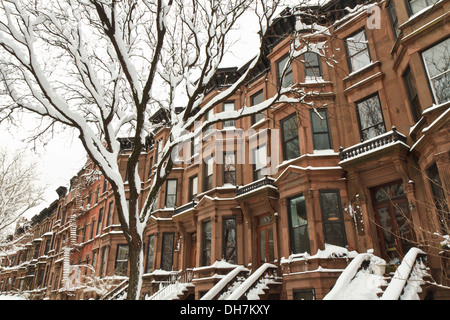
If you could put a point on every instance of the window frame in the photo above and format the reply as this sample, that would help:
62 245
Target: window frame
358 113
208 180
168 252
256 172
284 141
122 261
228 124
289 75
225 228
414 102
291 227
308 66
225 171
99 221
409 8
252 103
339 223
393 19
168 181
328 132
206 243
350 56
148 263
191 194
427 71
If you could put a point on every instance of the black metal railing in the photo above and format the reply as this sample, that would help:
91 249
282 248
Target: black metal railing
255 185
184 207
372 144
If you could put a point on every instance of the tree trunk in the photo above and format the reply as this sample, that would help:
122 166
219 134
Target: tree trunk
136 263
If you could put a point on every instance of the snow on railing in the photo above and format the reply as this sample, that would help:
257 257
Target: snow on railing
252 281
175 285
225 284
412 268
362 279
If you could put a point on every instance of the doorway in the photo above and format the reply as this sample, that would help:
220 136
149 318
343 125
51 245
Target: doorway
393 221
265 239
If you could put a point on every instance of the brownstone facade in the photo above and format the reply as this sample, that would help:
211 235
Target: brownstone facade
367 168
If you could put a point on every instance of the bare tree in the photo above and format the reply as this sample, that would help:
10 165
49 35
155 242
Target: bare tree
104 67
20 187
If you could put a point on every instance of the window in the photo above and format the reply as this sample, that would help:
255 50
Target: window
208 117
229 240
437 64
311 62
412 94
195 145
92 228
439 197
320 129
103 263
110 210
193 187
229 168
358 51
298 223
257 99
370 118
304 294
150 253
158 150
414 6
393 19
206 243
171 193
333 222
105 185
121 265
168 242
259 162
228 106
208 173
150 167
99 223
288 77
289 131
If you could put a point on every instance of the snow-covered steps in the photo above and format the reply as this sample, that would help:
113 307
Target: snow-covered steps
365 279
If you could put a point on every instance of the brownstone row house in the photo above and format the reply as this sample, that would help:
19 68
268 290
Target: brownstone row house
363 164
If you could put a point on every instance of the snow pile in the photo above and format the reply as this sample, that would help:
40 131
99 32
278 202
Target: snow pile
13 297
169 292
357 283
244 287
408 277
330 252
223 282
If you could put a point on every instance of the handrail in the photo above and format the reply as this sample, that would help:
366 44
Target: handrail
402 274
112 292
252 280
167 287
358 263
222 286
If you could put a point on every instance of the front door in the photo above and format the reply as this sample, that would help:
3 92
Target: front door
265 239
393 221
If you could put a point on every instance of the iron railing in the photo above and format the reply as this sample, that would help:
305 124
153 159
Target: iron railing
371 144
